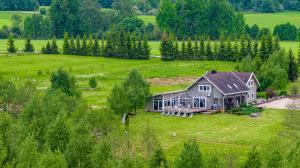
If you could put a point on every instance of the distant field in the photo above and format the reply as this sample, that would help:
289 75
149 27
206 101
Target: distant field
269 20
155 45
5 17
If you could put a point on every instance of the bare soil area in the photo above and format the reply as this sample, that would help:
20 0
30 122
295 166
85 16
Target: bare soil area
283 104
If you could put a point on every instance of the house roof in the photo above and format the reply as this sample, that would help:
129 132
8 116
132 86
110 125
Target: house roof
244 76
227 82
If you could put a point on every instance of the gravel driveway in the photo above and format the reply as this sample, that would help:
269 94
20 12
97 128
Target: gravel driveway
281 104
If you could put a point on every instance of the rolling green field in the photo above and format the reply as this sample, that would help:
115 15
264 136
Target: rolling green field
269 20
221 133
5 17
155 45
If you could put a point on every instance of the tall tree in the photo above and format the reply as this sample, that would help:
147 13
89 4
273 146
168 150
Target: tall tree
78 45
54 46
66 44
293 67
11 48
101 155
123 8
209 53
72 46
96 50
146 48
84 46
202 51
189 49
28 46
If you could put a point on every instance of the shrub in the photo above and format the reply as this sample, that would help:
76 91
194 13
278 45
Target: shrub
283 93
43 11
262 95
93 82
244 110
294 90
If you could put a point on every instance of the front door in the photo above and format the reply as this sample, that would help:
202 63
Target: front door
158 105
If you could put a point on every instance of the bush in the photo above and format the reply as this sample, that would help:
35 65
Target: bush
262 95
43 11
93 82
244 110
282 93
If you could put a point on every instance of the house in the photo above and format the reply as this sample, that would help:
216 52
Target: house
212 91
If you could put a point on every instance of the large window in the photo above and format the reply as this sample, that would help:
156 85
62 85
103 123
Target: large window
199 102
204 88
158 105
174 102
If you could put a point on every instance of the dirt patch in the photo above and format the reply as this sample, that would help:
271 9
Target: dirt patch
171 81
281 103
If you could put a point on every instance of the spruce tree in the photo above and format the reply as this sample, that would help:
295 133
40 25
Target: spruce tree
269 44
228 48
253 160
122 45
222 49
236 51
176 50
164 48
128 45
66 45
216 51
96 48
189 49
292 67
299 55
255 49
243 49
276 44
11 48
257 62
108 50
263 50
90 45
249 46
84 46
134 47
183 53
196 50
190 156
28 46
202 52
72 46
146 48
158 159
48 48
139 50
54 46
78 46
209 53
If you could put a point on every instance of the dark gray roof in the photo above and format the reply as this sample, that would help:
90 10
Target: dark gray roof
227 82
244 76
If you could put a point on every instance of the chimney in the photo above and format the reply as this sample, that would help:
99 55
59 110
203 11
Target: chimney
213 71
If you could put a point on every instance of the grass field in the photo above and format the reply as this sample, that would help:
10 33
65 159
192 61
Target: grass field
221 133
155 45
5 17
269 20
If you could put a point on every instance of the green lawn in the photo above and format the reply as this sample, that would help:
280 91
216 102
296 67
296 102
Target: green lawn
269 20
5 16
155 45
221 133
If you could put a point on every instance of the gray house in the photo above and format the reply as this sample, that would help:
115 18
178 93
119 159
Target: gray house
212 91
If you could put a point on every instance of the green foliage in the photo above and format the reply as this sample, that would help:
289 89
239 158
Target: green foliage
118 100
253 160
247 65
158 159
287 32
37 26
190 156
8 93
28 46
167 49
292 66
66 45
214 162
93 82
11 48
54 46
101 155
51 159
84 46
61 80
15 5
28 155
294 90
3 152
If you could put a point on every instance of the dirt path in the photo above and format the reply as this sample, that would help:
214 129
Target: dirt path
280 104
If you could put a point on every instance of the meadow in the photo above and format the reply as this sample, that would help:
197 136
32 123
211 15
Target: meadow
5 16
155 45
268 20
221 133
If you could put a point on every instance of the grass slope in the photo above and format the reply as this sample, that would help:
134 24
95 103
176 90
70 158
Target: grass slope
5 16
222 133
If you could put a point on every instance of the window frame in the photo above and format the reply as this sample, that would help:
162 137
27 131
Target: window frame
205 90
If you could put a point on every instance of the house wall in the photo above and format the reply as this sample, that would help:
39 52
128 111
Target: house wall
194 91
253 89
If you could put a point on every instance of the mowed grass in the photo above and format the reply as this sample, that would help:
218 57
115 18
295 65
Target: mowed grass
268 20
5 16
222 134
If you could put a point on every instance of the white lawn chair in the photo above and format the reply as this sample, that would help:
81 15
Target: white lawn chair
192 115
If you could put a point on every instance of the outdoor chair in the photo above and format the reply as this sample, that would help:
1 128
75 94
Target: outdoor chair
192 115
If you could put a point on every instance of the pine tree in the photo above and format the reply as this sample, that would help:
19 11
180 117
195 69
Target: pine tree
255 49
96 48
216 51
84 46
253 160
139 50
243 49
102 47
202 52
78 46
189 49
183 53
276 44
158 159
229 53
236 51
48 49
54 46
128 45
146 48
28 46
108 50
190 156
122 45
269 44
299 55
196 50
90 45
209 53
293 67
66 45
72 46
222 49
249 46
176 50
257 62
263 50
11 48
134 47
